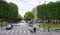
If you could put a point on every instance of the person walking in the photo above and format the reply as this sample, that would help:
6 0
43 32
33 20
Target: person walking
49 28
34 29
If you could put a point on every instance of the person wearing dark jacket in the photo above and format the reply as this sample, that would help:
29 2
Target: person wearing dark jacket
49 28
34 29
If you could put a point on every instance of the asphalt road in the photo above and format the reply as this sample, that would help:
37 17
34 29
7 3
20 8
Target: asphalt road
23 29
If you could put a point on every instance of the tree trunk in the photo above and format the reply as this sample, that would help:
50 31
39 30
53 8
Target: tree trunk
58 21
1 23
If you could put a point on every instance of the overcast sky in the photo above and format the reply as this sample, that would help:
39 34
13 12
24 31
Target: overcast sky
27 5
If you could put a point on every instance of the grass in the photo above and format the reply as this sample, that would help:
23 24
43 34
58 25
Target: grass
3 24
52 26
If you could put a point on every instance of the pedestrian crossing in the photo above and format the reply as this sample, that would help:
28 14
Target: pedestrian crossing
17 31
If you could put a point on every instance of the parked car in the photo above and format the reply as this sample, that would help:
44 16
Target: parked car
9 26
31 24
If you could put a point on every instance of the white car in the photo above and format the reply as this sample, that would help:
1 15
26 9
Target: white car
8 27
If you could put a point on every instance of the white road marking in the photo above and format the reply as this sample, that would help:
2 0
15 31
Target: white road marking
16 31
37 32
24 31
28 31
20 31
12 31
8 31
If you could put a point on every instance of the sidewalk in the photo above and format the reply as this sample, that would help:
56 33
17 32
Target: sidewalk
2 28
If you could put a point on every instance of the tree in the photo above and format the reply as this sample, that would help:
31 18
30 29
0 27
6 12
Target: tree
4 7
28 15
19 18
41 11
8 11
57 9
13 11
2 0
49 11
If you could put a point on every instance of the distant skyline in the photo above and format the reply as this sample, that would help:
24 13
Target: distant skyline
27 5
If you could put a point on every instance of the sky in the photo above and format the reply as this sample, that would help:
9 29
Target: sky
27 5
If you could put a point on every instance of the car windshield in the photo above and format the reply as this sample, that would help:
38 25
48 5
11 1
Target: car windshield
9 25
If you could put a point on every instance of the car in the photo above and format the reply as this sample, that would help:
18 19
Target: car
31 25
9 26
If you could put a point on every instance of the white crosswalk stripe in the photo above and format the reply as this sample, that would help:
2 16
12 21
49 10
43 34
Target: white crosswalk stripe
17 31
37 32
28 31
8 31
12 31
24 31
20 31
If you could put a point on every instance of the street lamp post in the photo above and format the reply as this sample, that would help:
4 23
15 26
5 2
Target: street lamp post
44 24
44 18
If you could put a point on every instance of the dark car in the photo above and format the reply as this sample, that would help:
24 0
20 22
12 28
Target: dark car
31 25
9 26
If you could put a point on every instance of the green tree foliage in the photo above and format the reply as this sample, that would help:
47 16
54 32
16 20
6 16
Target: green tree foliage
57 9
28 15
4 7
1 0
19 17
41 11
49 11
8 11
13 11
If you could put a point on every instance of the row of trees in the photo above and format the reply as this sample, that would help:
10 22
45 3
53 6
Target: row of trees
49 11
9 11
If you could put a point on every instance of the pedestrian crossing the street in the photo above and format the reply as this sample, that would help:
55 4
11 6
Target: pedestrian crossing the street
17 31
